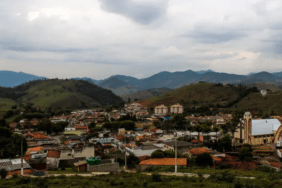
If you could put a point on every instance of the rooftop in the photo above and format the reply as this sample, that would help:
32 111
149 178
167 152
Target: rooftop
165 162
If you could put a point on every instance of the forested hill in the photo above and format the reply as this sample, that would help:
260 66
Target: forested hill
60 93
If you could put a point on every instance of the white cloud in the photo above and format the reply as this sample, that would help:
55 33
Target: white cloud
139 38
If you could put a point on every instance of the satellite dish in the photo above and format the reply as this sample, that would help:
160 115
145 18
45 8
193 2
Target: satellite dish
263 93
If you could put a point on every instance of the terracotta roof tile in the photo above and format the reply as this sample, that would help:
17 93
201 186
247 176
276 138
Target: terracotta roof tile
54 153
165 162
35 149
198 151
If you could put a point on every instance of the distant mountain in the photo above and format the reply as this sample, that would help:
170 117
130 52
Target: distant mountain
225 78
145 94
260 77
60 93
170 79
86 79
278 74
204 71
11 79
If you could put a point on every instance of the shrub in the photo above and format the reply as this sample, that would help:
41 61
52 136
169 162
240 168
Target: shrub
204 159
265 169
3 173
15 176
62 169
158 154
156 178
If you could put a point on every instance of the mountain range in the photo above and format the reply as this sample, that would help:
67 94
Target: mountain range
123 85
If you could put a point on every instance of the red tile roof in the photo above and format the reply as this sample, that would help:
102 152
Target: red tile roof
35 149
165 162
54 153
81 127
198 151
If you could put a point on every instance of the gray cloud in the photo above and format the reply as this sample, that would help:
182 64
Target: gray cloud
209 33
144 12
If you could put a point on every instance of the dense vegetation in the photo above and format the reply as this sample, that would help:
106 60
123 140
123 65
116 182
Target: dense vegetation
222 180
60 93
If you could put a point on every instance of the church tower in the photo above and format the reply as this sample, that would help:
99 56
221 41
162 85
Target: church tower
248 127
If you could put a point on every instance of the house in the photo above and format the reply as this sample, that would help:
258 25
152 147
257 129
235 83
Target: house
182 146
70 129
161 110
198 151
53 159
35 150
70 156
161 162
83 129
13 166
176 109
121 131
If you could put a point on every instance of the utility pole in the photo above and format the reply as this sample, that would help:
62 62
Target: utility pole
175 149
22 171
125 167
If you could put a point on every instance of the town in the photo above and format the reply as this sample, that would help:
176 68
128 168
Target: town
130 139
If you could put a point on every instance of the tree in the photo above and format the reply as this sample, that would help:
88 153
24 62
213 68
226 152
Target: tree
3 173
132 160
3 123
216 129
11 143
204 160
226 143
129 100
92 125
190 128
246 153
199 129
158 154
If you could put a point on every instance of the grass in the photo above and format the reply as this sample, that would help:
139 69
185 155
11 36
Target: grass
255 102
67 171
5 105
135 180
197 94
199 170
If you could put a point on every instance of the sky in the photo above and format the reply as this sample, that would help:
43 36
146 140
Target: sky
100 38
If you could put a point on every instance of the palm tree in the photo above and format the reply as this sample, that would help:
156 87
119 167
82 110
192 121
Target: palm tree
199 129
216 129
190 128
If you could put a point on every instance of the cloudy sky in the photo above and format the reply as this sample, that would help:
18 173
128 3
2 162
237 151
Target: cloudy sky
100 38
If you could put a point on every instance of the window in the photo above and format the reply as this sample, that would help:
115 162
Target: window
69 155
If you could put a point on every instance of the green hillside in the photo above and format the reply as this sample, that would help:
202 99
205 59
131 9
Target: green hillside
256 103
205 95
5 105
198 94
60 93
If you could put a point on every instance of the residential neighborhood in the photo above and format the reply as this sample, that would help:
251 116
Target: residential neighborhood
130 138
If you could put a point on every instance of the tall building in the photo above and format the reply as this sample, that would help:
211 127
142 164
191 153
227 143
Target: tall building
176 109
161 110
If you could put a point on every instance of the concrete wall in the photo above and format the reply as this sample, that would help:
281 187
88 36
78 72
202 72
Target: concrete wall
66 154
69 162
53 163
110 167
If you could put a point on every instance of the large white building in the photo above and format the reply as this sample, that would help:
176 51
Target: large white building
176 109
161 110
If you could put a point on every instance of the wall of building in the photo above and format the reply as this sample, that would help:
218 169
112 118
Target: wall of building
110 167
66 154
53 163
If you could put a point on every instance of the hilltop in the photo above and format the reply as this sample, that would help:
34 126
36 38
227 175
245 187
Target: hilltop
60 93
145 94
226 97
198 94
